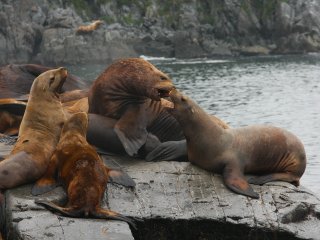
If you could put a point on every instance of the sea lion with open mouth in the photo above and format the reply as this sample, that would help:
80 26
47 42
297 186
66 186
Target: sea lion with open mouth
270 152
130 90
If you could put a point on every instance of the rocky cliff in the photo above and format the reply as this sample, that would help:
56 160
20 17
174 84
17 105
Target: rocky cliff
45 31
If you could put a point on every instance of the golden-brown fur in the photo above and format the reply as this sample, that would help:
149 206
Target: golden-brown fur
89 28
39 132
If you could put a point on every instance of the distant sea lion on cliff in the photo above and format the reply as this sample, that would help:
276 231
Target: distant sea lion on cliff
82 172
89 28
271 152
39 132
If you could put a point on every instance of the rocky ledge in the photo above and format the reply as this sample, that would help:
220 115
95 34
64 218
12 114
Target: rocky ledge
173 200
45 31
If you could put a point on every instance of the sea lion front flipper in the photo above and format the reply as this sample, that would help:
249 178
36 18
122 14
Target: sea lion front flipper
131 129
234 179
69 212
47 182
169 151
120 177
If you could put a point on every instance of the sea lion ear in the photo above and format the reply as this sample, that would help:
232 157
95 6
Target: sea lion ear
120 177
183 98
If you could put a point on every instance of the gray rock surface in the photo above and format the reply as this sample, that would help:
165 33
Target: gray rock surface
45 31
174 200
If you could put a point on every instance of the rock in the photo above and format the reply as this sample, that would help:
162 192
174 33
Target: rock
44 32
174 200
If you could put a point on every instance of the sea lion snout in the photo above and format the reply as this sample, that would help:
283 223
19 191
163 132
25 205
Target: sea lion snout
163 88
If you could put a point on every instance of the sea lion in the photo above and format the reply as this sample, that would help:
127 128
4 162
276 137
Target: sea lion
16 80
39 132
130 90
271 152
89 28
11 112
82 173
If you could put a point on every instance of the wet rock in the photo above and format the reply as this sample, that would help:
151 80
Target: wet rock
174 200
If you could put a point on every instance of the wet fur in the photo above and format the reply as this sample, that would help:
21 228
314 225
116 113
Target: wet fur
82 173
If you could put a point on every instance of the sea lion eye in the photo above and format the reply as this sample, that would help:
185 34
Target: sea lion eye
51 80
183 99
163 78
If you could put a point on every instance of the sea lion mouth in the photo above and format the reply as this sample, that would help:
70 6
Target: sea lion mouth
63 78
162 93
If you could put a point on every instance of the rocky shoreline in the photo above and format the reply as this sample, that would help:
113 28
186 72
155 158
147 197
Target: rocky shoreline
45 31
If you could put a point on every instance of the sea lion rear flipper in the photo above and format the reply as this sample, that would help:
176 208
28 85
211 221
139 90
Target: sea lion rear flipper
234 179
120 177
108 214
168 151
131 129
47 182
286 177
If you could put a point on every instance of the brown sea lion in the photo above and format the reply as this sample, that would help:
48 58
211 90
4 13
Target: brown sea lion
89 28
39 132
82 173
11 112
16 79
271 152
130 90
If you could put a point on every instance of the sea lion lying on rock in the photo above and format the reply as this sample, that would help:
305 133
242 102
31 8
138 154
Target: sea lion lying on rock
271 152
89 28
130 90
39 132
82 172
16 80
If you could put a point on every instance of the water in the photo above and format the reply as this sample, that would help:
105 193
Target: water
283 91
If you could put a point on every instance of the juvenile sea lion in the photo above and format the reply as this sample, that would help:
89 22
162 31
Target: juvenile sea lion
82 172
16 80
271 152
39 132
89 28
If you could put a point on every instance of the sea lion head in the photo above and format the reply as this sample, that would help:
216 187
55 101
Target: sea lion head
78 122
141 78
184 107
49 83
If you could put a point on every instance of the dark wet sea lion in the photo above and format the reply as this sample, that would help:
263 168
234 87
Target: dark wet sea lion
11 113
271 152
82 173
16 79
39 132
102 135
